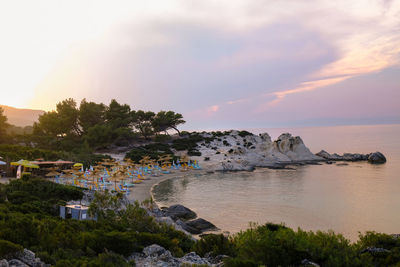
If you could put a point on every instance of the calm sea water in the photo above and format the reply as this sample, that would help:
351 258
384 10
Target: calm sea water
346 199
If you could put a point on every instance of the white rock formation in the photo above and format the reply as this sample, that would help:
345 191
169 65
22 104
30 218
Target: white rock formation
236 151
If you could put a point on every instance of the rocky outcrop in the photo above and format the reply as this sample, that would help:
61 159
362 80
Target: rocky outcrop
182 219
25 258
196 226
179 212
188 228
376 158
201 225
16 263
294 148
235 151
156 255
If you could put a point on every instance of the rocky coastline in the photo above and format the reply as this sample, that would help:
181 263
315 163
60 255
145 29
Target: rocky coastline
233 151
244 151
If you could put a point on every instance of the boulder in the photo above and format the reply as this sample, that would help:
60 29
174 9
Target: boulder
181 212
201 225
156 255
192 258
16 263
324 154
28 257
354 157
376 158
188 228
4 263
154 250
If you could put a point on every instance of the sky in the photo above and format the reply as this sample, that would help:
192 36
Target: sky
222 64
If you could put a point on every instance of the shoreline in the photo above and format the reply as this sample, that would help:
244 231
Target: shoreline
143 191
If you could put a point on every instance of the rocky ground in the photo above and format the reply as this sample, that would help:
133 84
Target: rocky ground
25 258
156 255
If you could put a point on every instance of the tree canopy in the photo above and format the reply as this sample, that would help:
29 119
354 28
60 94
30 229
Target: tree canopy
100 125
3 125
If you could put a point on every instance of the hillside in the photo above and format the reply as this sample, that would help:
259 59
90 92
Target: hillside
21 117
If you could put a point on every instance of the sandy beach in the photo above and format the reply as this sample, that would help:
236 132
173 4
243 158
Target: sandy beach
142 191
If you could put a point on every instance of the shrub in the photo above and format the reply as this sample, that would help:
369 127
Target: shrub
226 143
244 133
26 176
153 150
277 245
215 244
187 143
162 138
206 158
8 249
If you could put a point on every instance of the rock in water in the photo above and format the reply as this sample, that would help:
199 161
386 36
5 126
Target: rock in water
294 148
201 225
376 158
180 211
324 154
188 228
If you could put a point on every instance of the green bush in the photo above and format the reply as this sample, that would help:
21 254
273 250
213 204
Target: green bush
161 138
244 133
277 245
214 244
26 176
153 150
7 249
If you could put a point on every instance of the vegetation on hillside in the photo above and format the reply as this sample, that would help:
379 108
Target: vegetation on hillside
277 245
29 219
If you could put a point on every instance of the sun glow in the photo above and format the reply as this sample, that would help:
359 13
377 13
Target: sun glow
36 35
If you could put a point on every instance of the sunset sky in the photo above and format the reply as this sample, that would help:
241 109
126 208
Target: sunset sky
222 64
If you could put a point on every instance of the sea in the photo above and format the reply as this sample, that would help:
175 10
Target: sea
347 199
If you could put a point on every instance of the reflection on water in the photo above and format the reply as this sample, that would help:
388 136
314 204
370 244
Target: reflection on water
347 199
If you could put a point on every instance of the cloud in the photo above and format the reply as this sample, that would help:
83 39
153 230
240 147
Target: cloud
235 59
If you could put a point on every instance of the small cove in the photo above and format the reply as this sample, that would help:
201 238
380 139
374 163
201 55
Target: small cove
346 199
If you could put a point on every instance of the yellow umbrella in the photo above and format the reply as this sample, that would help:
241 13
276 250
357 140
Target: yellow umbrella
76 165
25 163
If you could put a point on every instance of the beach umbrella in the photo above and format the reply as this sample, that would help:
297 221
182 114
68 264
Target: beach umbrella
128 161
25 164
78 165
115 177
67 174
52 174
